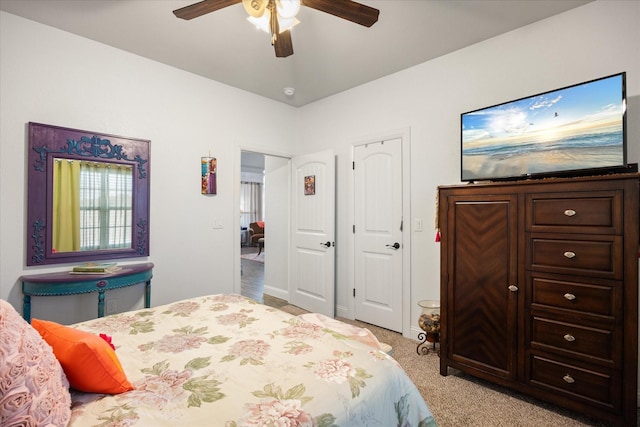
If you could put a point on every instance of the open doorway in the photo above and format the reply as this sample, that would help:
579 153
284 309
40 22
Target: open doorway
264 225
252 224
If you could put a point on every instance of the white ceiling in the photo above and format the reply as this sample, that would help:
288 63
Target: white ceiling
330 54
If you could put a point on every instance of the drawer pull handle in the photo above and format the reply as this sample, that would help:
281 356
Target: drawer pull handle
513 288
569 296
570 254
568 379
569 337
569 212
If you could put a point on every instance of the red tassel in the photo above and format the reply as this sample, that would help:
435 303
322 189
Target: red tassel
107 338
438 236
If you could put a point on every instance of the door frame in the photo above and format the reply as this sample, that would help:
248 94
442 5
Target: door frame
237 173
348 312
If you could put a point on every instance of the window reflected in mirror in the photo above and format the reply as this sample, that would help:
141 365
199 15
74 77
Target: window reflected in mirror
92 205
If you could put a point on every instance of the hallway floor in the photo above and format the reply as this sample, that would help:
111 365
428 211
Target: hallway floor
252 276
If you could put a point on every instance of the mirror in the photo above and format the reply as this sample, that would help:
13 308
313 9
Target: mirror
91 207
88 196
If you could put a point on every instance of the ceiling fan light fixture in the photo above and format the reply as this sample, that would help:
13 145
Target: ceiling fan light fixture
255 8
278 17
287 8
263 22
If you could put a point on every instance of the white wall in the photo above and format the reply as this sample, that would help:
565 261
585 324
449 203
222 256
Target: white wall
595 40
54 77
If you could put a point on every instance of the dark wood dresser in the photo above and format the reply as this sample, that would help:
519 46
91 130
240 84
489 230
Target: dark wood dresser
539 289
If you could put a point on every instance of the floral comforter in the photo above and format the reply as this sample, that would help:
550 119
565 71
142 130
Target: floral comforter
225 360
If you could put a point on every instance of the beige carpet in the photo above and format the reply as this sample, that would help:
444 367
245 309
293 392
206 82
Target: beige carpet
458 399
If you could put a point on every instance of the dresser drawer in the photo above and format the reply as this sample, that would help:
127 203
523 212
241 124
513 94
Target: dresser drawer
598 212
566 337
599 387
588 298
596 256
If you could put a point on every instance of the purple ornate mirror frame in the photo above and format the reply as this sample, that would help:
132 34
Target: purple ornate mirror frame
45 142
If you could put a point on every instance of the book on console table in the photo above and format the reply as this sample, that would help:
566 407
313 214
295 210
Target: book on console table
96 268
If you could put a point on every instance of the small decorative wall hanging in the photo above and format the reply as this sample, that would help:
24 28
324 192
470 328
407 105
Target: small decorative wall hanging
209 169
309 185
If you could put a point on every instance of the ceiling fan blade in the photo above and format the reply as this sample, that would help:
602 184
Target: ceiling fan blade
346 9
202 8
283 45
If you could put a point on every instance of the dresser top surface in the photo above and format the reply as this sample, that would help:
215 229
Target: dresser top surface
67 276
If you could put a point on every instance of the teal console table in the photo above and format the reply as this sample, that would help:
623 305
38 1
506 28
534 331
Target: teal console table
66 283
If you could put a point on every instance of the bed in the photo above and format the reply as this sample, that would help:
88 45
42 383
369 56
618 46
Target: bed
225 360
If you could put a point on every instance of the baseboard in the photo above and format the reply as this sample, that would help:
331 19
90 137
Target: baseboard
276 292
414 332
342 311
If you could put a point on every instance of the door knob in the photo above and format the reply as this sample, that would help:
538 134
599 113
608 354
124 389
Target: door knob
327 244
396 245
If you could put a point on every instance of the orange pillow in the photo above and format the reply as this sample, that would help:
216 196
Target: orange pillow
88 361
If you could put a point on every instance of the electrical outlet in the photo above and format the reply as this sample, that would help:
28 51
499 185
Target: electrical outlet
112 306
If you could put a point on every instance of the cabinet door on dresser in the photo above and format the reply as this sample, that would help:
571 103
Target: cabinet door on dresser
479 248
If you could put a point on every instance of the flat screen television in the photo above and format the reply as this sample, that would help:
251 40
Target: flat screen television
575 130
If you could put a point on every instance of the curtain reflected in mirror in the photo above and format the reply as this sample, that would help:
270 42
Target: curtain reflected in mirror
92 205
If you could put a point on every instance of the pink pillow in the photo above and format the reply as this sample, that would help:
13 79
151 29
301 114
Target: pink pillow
33 388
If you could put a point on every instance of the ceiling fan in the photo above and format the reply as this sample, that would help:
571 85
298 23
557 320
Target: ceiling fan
277 17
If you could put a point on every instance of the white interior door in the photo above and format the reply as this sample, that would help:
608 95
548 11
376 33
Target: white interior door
313 233
378 233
